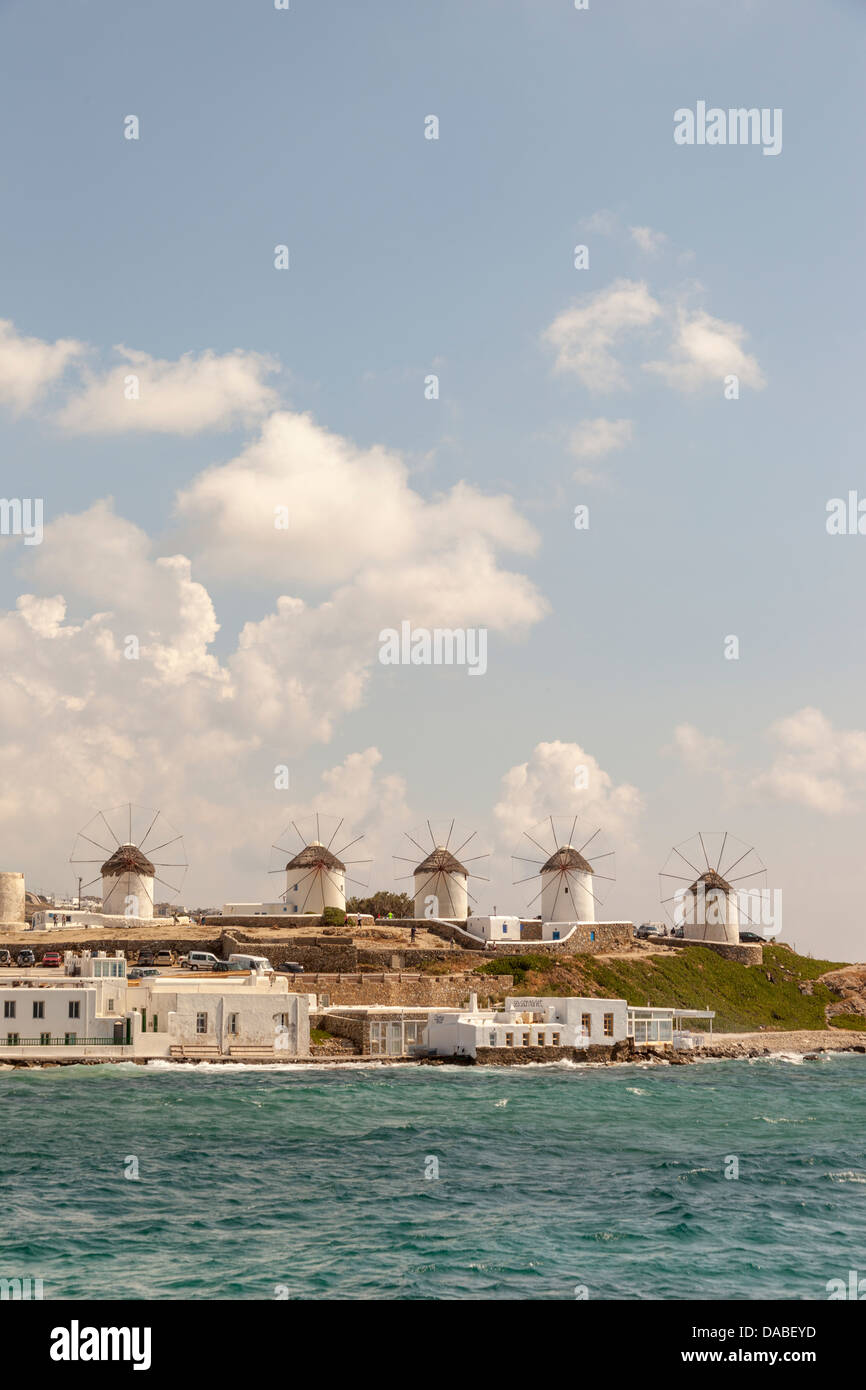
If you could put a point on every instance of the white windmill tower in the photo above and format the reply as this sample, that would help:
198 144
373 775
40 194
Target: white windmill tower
440 878
698 886
129 870
315 874
575 868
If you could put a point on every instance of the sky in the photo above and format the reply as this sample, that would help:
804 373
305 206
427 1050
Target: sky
247 472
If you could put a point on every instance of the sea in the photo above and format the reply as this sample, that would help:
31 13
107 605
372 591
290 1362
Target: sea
741 1180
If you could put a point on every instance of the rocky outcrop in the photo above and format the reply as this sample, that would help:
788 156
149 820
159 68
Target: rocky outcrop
850 984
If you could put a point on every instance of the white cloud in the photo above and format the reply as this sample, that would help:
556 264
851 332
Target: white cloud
647 240
698 751
194 393
545 784
592 439
29 365
817 766
354 521
705 350
584 335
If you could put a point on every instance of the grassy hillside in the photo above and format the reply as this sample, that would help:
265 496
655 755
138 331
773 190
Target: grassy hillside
743 996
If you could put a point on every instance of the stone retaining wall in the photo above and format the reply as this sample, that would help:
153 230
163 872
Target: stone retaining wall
520 1056
746 952
448 991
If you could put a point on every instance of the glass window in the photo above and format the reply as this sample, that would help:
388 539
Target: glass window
38 1008
586 1024
233 1023
509 1039
12 1039
201 1023
75 1008
45 1039
70 1037
9 1008
555 1040
608 1025
525 1039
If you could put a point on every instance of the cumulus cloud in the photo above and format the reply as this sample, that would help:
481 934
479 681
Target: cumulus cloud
705 350
593 439
546 784
28 365
647 240
208 391
698 751
354 520
584 335
700 350
816 766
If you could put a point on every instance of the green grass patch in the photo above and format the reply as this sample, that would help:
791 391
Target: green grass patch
855 1022
320 1035
745 997
518 966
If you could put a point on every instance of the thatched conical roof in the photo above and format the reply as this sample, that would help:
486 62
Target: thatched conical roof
567 857
711 880
316 856
127 859
441 860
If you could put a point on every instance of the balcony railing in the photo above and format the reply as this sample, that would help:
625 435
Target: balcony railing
62 1042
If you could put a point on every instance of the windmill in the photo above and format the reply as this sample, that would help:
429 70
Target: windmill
128 838
575 863
699 886
315 871
440 876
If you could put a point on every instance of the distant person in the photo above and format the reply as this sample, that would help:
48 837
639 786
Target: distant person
412 933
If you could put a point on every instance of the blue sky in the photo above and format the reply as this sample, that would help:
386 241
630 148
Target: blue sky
455 256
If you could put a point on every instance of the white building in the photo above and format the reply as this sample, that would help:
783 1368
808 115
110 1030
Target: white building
127 883
280 909
95 1012
441 886
315 879
494 928
539 1022
528 1022
566 887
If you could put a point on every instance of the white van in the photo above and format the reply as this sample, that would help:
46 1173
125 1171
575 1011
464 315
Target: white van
200 960
240 962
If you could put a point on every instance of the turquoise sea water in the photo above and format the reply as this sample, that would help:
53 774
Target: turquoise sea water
256 1183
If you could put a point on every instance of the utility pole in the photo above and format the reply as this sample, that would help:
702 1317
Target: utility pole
79 892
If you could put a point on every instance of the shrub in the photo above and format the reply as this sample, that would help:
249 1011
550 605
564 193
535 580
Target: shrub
333 917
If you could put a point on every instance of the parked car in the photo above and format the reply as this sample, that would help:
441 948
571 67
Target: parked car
222 966
676 931
5 957
26 957
241 961
142 972
290 967
647 929
164 957
145 958
753 936
199 960
51 959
